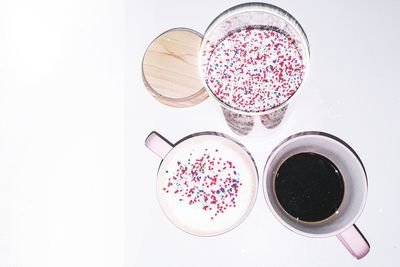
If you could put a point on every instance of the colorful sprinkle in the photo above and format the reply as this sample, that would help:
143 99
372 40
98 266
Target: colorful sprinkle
254 69
205 180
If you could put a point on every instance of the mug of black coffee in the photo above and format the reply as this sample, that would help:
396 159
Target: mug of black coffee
316 185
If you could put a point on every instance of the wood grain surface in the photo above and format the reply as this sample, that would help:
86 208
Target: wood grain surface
170 68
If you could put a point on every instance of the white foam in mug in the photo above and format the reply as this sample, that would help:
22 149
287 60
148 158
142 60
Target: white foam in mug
207 183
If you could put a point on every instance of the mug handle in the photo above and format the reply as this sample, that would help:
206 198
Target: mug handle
354 241
158 144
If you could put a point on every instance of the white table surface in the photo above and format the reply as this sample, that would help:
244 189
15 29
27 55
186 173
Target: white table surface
77 185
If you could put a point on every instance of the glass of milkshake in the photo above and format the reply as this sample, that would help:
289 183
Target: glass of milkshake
254 59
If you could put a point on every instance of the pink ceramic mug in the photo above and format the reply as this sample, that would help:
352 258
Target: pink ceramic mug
341 224
206 183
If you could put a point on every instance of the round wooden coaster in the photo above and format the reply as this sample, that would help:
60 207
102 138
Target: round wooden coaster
170 68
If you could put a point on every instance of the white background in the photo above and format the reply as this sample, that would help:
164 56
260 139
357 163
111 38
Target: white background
77 185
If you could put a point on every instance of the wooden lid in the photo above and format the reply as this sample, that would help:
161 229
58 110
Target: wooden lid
170 68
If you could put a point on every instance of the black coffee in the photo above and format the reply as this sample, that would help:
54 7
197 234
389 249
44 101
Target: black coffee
309 187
